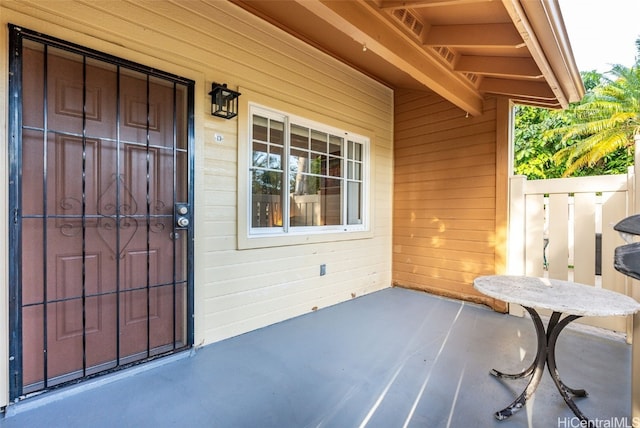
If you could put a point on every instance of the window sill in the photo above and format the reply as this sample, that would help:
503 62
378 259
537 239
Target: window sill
282 240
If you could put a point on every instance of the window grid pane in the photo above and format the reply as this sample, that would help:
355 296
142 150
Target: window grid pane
266 199
316 178
267 172
354 185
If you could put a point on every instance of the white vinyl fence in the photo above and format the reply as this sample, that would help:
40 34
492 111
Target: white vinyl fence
563 229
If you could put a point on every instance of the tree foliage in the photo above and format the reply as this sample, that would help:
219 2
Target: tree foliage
533 150
592 137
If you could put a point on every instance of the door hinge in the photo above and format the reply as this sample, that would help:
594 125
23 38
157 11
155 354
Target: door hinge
15 216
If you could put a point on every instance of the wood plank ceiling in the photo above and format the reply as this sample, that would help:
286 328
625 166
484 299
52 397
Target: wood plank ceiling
461 49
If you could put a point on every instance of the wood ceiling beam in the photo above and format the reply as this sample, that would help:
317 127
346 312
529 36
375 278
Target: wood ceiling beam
419 4
538 103
363 22
517 88
498 66
521 21
474 35
550 35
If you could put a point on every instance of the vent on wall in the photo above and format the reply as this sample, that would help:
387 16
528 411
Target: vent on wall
409 20
445 53
415 26
473 78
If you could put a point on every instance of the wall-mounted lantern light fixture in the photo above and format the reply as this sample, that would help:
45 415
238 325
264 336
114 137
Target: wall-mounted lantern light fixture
224 101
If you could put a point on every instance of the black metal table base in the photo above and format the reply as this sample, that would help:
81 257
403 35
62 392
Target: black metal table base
544 355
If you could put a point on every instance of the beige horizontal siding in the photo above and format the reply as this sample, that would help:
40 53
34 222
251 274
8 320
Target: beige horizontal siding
240 290
444 196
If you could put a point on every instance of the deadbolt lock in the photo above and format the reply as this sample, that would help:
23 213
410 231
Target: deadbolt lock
182 215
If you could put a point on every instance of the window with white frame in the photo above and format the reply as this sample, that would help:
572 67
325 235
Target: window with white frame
305 176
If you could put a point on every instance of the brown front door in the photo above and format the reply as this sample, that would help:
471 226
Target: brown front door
104 273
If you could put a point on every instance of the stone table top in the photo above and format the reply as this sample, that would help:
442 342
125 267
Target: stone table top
556 295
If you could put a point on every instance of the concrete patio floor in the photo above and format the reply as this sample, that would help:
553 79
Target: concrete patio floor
393 358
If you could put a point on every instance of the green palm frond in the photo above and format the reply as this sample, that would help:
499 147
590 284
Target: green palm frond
589 151
606 120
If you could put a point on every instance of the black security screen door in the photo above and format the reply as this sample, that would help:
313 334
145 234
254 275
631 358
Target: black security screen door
100 173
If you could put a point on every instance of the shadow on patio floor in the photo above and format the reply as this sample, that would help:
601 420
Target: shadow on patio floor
393 358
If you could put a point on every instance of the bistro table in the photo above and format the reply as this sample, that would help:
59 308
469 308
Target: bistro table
563 298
